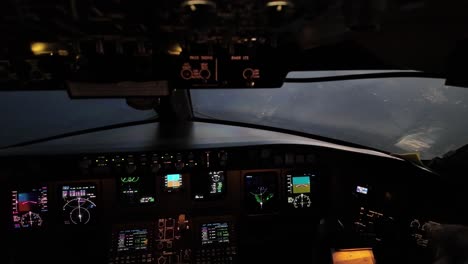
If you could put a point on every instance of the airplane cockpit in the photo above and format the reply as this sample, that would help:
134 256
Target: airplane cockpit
215 131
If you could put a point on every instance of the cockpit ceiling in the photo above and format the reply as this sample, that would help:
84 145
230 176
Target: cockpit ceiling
167 27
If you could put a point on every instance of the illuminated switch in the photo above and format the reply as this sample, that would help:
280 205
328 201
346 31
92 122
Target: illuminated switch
161 233
169 233
160 245
170 222
162 260
187 254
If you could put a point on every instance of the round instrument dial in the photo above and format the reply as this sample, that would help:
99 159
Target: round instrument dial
31 219
302 201
79 210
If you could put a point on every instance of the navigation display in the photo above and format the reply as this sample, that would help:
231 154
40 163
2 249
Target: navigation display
214 233
29 207
132 240
135 190
208 185
299 189
172 182
79 204
261 192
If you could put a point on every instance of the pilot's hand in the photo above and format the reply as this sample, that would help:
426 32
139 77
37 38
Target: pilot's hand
450 243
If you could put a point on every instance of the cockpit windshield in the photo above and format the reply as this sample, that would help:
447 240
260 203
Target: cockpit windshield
397 114
32 115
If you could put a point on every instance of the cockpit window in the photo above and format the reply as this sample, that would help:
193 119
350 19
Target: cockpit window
31 115
398 114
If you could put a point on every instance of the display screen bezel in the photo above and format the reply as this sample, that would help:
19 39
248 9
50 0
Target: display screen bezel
147 189
44 215
275 207
134 249
96 200
215 243
204 176
169 189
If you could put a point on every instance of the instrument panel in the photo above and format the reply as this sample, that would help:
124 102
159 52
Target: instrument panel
299 189
173 182
136 190
76 204
79 204
208 185
215 233
265 192
29 207
261 192
175 239
161 208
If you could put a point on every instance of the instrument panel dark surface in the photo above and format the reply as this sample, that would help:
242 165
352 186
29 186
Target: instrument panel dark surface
270 194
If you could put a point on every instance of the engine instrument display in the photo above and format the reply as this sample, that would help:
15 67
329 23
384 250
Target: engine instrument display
172 182
132 240
208 185
79 204
134 190
261 192
299 189
29 207
214 233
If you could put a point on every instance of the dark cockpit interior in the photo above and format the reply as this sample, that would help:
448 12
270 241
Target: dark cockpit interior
216 131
